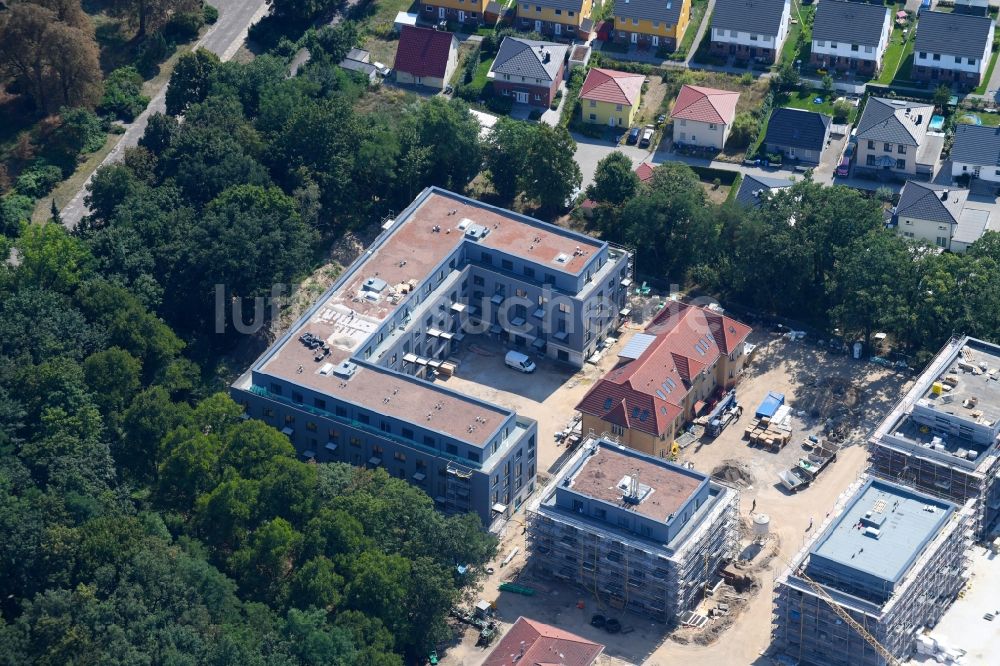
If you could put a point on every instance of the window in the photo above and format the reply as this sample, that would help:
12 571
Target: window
529 271
571 13
310 426
593 103
972 61
618 107
937 56
319 402
617 430
473 456
923 54
564 308
870 161
854 47
887 147
275 388
558 12
385 427
268 413
364 418
900 164
593 116
340 411
452 449
486 258
400 456
833 45
356 442
478 280
521 293
942 241
712 126
635 21
656 24
753 38
407 433
428 441
507 264
871 144
296 397
901 149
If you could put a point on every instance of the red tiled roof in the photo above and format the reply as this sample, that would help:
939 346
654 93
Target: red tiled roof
706 105
648 392
423 51
607 85
542 644
644 171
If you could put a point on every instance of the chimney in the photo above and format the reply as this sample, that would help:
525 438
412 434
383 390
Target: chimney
546 56
944 195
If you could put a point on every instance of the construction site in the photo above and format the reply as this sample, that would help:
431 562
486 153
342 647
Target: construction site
885 564
941 438
641 533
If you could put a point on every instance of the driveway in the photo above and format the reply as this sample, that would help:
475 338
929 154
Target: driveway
224 39
591 151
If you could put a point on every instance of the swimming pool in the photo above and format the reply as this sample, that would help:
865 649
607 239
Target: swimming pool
937 123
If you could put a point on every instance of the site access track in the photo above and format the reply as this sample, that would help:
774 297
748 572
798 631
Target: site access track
224 39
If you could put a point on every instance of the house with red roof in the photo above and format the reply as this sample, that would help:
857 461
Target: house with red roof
610 98
644 171
531 643
703 116
666 376
426 57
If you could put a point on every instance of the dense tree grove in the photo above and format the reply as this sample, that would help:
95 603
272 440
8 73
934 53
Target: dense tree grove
821 255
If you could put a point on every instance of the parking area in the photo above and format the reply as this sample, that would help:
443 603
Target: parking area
824 391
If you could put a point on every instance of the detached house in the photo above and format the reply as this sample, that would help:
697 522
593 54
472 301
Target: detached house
610 98
750 29
953 48
703 116
528 70
850 36
466 12
797 134
426 57
665 377
939 215
893 140
559 18
976 152
651 23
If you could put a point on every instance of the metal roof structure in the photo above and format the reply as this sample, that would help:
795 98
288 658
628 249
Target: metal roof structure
849 23
952 34
758 17
878 536
637 345
971 225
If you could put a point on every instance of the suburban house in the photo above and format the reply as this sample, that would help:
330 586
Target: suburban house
939 215
558 18
536 643
529 71
468 13
665 377
850 36
755 189
893 140
976 152
651 23
610 98
360 61
750 29
953 48
703 116
797 134
426 57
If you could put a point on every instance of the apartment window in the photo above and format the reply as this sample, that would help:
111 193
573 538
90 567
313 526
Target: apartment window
275 388
529 271
887 147
571 13
564 308
478 280
942 241
871 144
617 430
833 45
319 402
972 61
356 442
901 149
364 418
340 411
296 397
507 264
753 38
521 293
558 12
900 164
870 161
854 47
310 426
452 449
937 56
486 258
923 54
289 420
428 441
656 24
473 456
268 413
385 427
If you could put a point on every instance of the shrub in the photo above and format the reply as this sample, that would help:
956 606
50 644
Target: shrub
79 131
123 96
184 26
151 53
210 14
746 79
744 131
499 104
841 111
535 114
14 209
38 180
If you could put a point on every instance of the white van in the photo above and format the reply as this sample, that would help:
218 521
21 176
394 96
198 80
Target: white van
519 361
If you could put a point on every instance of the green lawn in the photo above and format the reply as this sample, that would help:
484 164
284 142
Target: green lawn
791 50
981 90
479 80
697 16
805 100
893 56
989 119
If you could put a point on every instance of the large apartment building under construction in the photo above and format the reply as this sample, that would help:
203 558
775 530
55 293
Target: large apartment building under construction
637 531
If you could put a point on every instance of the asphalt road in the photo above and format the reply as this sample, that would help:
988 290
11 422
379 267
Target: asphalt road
224 39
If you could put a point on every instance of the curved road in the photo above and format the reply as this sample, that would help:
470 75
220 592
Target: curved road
224 39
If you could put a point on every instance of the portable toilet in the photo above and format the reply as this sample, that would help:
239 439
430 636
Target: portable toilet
857 350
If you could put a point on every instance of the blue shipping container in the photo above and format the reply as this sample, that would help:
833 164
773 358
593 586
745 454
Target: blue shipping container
770 405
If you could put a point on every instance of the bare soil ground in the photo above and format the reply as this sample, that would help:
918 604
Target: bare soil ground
716 195
824 391
652 100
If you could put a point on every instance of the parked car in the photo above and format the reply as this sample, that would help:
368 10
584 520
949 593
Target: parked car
844 168
647 137
633 136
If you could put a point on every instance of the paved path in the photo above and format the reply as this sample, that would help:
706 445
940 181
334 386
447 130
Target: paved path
702 29
224 39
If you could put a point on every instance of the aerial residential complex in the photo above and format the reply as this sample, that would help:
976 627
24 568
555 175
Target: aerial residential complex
639 532
942 436
889 556
350 380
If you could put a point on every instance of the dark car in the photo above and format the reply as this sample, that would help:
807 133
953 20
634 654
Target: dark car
633 136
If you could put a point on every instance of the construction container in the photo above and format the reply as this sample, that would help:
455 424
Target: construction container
937 388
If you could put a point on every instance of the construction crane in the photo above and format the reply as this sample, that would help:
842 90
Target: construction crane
846 617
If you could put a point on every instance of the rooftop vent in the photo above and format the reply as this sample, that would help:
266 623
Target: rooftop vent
944 194
345 369
633 492
476 231
873 532
562 258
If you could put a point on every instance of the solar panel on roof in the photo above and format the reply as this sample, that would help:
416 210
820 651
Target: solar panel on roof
637 345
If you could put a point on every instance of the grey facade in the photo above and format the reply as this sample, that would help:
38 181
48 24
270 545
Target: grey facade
653 560
916 551
447 268
944 441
